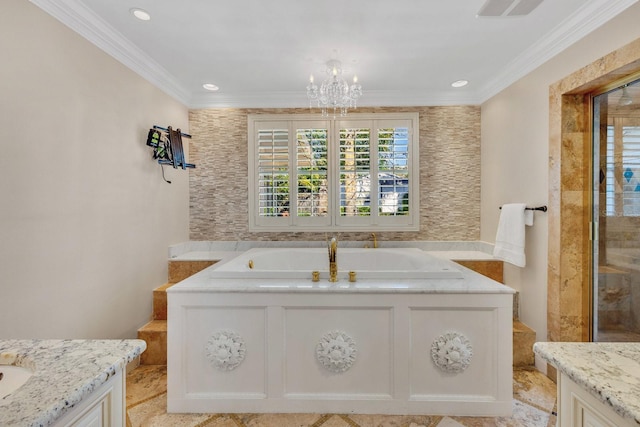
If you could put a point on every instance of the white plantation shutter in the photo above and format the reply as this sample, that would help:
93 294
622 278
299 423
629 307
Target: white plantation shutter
355 171
273 171
311 172
393 171
333 174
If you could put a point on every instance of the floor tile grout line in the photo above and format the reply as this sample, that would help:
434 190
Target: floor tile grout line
438 419
323 419
209 420
535 406
237 420
133 405
348 420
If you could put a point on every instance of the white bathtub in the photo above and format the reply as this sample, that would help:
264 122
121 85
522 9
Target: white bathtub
299 263
268 339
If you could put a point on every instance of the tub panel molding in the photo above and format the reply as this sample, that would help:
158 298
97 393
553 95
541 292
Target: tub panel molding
452 352
336 351
220 339
390 333
226 350
331 350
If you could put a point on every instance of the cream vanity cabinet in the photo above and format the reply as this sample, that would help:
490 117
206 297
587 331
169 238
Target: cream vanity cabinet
578 408
75 383
105 407
598 383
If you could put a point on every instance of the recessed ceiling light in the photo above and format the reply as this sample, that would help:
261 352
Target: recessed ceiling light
211 87
459 83
142 15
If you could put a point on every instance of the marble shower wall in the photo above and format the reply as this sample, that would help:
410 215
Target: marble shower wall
449 175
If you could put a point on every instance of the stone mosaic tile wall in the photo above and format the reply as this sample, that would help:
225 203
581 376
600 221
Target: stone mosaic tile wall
449 175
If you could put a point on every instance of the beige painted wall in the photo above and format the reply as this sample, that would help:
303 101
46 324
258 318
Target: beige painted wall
449 176
85 217
515 150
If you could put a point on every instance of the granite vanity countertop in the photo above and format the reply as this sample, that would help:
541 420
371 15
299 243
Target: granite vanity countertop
609 371
65 372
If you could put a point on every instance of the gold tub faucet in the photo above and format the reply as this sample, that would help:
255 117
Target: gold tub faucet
333 265
375 240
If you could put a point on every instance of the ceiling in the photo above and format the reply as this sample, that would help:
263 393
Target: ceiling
260 53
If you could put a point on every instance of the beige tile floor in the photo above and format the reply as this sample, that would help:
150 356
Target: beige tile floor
534 399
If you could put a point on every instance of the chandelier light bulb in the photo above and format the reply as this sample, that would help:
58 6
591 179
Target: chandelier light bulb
311 78
355 79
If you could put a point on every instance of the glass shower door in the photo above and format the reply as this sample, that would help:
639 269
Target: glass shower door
616 215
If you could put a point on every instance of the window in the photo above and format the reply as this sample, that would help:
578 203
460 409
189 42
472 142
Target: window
348 174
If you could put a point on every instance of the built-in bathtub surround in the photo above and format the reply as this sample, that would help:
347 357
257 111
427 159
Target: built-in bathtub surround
414 334
568 303
449 175
207 250
65 373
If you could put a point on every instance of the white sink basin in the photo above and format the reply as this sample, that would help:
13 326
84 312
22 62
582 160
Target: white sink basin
12 378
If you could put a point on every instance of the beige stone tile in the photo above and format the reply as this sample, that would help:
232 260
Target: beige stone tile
280 420
448 422
146 381
533 388
153 413
492 269
534 400
154 334
395 420
553 420
523 416
337 421
180 270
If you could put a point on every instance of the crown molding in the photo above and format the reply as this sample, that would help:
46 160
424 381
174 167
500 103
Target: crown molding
371 98
85 22
590 17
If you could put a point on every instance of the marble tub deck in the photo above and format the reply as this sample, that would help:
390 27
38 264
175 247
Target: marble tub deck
534 401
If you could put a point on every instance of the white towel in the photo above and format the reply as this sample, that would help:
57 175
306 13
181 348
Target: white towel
509 245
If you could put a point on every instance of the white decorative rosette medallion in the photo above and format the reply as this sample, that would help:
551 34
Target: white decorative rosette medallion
336 351
451 352
225 350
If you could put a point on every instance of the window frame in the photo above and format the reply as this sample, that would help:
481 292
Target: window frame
333 221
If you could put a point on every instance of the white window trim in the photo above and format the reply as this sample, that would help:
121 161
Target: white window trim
332 222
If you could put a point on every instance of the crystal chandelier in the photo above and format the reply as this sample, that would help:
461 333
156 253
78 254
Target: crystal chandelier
334 92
